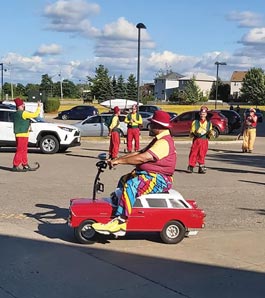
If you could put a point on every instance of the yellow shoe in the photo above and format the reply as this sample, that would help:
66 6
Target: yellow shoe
116 226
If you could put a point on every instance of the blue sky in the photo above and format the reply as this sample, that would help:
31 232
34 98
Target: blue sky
73 37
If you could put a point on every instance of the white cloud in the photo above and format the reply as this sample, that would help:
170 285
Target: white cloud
51 49
254 36
72 16
246 18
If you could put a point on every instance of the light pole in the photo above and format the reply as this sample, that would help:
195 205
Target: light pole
11 83
2 80
61 85
216 87
139 26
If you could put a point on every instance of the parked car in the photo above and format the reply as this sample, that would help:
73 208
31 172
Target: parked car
181 124
7 106
234 119
258 113
148 108
146 123
78 113
172 114
96 126
49 137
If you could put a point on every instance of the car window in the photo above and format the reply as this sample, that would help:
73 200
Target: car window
185 117
176 204
6 116
156 203
138 203
96 119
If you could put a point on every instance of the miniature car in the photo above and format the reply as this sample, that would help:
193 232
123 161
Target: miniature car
167 213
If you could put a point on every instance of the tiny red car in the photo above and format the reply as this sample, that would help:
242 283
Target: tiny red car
167 213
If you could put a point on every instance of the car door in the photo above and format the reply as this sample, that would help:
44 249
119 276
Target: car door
94 127
7 135
181 124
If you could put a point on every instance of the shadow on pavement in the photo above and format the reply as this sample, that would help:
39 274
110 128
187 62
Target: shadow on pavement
32 268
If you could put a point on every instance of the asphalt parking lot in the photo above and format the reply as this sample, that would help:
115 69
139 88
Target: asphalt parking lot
40 258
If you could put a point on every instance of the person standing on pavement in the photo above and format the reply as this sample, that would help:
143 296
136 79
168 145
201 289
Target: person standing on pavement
153 173
201 131
114 133
133 120
21 130
249 131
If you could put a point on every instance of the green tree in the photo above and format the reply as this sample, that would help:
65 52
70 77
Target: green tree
223 91
192 93
253 86
19 90
121 88
131 88
101 86
31 87
46 85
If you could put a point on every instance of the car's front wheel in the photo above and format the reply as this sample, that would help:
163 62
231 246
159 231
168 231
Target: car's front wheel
173 232
49 144
85 234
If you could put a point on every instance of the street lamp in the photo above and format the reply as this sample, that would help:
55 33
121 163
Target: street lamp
139 26
216 87
2 80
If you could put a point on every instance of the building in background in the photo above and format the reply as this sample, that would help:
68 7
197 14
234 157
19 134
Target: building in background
165 85
236 83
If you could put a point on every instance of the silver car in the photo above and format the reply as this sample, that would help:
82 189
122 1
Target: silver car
95 126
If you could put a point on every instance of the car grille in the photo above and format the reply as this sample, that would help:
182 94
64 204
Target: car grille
77 133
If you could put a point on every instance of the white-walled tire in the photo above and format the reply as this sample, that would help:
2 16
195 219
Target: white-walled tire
173 232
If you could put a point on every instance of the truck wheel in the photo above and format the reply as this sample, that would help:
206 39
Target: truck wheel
85 234
49 144
173 232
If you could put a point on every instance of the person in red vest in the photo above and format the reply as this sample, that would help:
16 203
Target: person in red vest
155 166
249 134
114 133
21 130
133 120
200 131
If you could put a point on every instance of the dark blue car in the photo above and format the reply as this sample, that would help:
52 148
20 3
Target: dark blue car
78 113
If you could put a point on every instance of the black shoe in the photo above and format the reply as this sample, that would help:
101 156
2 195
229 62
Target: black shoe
190 169
202 170
18 169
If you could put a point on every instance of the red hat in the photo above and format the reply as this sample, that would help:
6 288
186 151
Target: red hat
162 118
116 109
203 109
18 101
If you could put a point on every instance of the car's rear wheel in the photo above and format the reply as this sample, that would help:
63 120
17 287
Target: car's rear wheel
215 132
85 234
173 232
64 117
49 144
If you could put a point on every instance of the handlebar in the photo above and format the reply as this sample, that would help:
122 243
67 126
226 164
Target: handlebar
102 164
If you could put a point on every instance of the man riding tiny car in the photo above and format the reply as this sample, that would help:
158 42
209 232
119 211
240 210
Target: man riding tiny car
155 166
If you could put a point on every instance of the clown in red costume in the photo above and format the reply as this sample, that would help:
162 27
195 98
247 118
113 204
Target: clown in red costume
200 131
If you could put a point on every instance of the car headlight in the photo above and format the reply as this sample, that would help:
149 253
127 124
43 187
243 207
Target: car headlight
66 128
